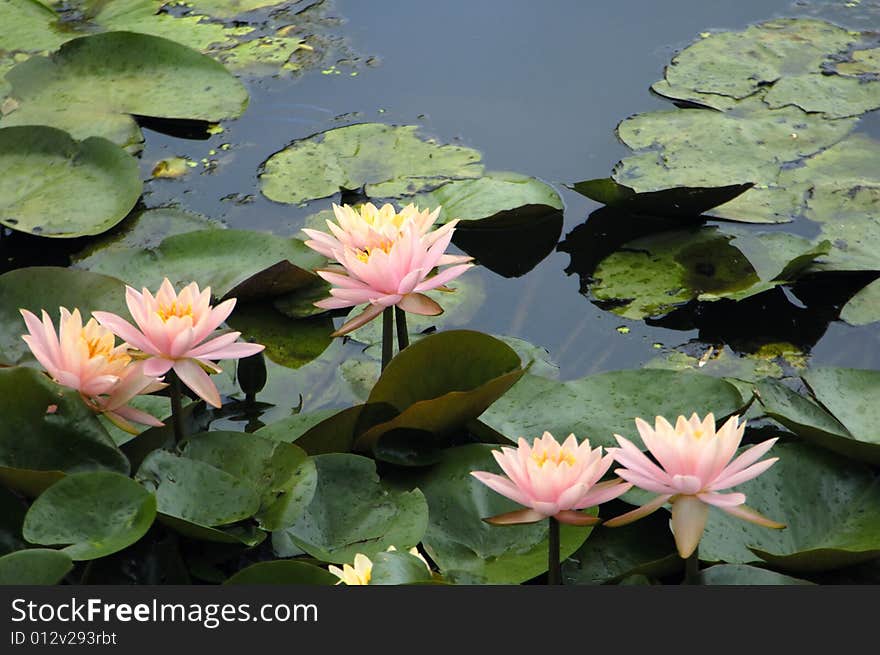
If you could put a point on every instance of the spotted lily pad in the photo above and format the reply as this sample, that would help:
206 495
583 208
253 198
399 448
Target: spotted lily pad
35 26
352 512
831 508
239 263
55 186
652 275
389 160
230 8
598 406
140 75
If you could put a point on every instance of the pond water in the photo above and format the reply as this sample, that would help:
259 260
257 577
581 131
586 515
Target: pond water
538 89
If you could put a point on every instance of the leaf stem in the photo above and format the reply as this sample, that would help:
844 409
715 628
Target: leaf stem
402 333
387 336
176 406
554 570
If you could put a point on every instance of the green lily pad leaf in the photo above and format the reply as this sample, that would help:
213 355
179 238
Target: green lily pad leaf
55 186
139 74
831 508
264 54
301 303
145 229
844 418
683 95
278 471
832 95
34 566
610 555
390 160
97 513
460 542
469 371
723 363
860 62
50 287
459 306
230 8
684 202
737 64
483 197
652 275
195 492
293 427
35 26
68 440
864 307
234 263
396 568
598 406
352 513
288 342
283 572
742 574
145 17
700 148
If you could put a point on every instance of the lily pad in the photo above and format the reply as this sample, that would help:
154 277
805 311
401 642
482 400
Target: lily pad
234 263
55 186
34 566
460 542
282 572
737 64
50 287
652 275
742 574
195 492
231 8
352 513
832 95
278 471
389 161
397 568
35 26
864 307
483 197
69 439
138 74
144 229
97 513
598 406
156 406
831 508
469 371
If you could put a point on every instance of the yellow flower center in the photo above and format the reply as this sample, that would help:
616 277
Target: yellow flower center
562 456
364 254
100 342
174 309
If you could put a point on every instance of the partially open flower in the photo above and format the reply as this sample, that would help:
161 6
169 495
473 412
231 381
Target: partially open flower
86 358
694 467
173 329
385 259
552 480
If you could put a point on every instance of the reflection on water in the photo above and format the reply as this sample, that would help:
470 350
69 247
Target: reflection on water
538 88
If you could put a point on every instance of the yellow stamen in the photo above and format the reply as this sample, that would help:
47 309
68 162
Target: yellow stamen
174 309
562 456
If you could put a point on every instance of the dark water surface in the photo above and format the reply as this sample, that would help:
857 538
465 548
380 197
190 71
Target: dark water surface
538 88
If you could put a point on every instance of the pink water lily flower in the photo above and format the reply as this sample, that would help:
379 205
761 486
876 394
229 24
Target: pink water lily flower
385 259
86 358
552 480
367 227
694 467
172 334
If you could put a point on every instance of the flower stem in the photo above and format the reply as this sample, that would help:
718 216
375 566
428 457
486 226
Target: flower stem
692 569
402 334
387 336
554 571
176 406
